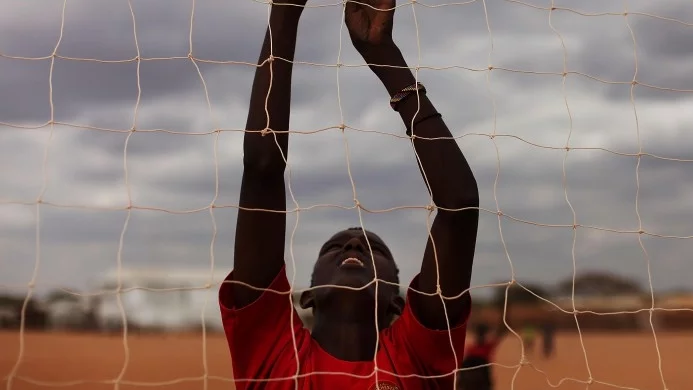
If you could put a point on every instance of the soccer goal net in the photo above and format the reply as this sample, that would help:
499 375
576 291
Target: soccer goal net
121 154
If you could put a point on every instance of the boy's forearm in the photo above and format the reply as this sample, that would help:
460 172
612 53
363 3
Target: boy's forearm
449 176
387 62
260 235
271 93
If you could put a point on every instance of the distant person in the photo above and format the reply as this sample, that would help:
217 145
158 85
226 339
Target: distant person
528 338
476 375
481 353
548 338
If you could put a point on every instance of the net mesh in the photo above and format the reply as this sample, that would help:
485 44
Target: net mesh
490 70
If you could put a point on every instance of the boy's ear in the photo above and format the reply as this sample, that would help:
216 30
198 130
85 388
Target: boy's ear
396 305
307 299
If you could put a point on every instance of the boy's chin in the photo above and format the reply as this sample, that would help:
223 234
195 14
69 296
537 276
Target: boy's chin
354 281
351 288
350 301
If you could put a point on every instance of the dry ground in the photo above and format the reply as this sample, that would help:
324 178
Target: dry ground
81 362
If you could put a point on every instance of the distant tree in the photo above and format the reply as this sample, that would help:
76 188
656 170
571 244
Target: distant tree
10 300
34 316
517 295
91 320
61 295
596 283
71 311
8 311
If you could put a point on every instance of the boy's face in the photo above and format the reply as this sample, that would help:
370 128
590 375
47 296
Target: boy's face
346 260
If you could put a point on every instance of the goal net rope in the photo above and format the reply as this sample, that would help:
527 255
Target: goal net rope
546 131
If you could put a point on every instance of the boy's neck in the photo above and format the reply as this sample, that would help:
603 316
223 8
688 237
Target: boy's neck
344 325
350 341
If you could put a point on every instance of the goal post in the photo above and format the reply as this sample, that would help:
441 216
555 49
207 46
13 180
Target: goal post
121 141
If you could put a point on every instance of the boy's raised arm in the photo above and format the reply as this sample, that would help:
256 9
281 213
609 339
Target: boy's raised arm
261 223
449 253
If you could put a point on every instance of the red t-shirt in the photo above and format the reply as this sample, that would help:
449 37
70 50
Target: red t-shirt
262 348
485 350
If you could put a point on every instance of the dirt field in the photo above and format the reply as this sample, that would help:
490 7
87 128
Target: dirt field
81 362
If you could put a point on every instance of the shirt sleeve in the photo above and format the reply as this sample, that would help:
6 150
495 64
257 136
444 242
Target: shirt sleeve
260 334
433 351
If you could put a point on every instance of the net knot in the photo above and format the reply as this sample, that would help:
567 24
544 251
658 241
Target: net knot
264 131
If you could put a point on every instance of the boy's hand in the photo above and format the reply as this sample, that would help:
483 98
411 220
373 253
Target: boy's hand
369 23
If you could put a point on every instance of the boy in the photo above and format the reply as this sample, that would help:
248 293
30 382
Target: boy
270 348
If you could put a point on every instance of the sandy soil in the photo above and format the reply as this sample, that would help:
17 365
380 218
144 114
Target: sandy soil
81 362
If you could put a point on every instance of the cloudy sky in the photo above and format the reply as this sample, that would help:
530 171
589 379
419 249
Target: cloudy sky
524 101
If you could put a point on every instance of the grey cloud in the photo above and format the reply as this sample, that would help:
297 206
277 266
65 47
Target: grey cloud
665 53
151 240
104 32
665 38
599 46
526 244
177 172
25 92
78 85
